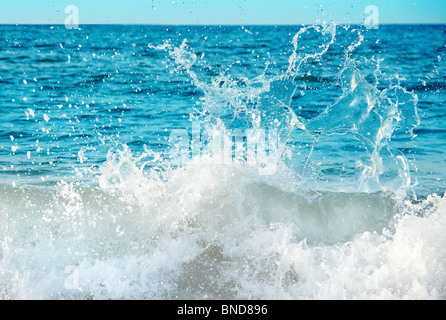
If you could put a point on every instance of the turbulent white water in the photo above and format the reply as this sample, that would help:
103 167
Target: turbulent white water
217 232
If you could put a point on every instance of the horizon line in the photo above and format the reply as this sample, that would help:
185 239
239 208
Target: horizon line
217 25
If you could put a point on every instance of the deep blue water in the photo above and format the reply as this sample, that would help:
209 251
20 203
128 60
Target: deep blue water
102 84
88 183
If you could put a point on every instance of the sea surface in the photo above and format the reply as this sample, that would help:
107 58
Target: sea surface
223 162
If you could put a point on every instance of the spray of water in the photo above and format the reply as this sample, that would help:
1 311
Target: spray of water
264 103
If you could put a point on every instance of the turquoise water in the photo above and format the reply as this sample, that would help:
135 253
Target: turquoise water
236 162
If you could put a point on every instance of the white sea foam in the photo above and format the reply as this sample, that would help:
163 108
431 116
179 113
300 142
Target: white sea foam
219 231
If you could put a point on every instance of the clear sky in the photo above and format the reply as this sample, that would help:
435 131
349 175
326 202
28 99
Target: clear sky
221 12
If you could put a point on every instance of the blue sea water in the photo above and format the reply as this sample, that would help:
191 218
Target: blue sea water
256 162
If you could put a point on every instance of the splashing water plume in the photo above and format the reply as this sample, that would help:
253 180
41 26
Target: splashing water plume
263 103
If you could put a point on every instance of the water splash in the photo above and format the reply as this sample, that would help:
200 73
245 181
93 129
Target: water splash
372 115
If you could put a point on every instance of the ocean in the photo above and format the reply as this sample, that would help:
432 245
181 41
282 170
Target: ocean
223 162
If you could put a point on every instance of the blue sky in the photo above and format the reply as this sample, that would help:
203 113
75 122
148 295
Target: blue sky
239 12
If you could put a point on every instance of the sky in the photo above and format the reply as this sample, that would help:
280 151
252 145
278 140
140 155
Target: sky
222 12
